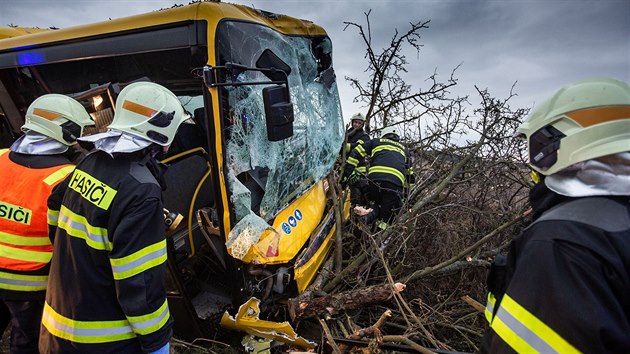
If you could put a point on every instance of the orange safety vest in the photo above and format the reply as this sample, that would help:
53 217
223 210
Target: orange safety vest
24 242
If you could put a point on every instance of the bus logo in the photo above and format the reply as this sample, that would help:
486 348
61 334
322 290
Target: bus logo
298 214
286 228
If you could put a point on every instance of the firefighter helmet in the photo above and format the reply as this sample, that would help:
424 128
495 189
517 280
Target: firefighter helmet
579 122
389 131
358 116
149 111
58 117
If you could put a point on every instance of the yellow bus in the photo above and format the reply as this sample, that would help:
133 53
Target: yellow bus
248 172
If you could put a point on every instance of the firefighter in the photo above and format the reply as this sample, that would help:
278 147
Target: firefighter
357 136
106 289
389 174
29 170
565 284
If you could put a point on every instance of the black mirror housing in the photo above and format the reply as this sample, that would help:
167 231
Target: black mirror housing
277 69
278 113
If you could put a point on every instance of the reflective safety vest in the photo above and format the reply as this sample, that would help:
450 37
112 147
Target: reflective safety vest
24 242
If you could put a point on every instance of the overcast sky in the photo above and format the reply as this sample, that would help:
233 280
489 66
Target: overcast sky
542 44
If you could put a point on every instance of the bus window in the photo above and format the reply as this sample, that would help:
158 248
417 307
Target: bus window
265 176
96 82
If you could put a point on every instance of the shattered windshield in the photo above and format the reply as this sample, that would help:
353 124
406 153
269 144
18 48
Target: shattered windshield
265 176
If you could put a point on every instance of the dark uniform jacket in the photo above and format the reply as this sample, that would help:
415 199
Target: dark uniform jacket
565 285
26 285
106 292
357 137
389 161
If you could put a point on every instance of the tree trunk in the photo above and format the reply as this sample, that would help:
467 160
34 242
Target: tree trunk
347 300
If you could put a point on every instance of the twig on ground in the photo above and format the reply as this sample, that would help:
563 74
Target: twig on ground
409 342
329 337
474 303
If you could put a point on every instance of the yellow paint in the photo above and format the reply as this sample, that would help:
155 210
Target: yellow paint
305 274
311 205
212 12
247 320
8 32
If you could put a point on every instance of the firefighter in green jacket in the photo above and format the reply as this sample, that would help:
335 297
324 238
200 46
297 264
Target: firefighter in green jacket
564 286
106 288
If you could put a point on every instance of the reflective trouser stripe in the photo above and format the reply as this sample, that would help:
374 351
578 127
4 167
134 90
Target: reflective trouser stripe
2 151
490 307
58 175
388 148
85 331
524 332
352 161
52 217
77 226
17 240
22 282
362 169
139 261
387 170
152 322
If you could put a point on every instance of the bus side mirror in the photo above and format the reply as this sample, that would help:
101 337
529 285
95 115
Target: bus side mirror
275 68
278 113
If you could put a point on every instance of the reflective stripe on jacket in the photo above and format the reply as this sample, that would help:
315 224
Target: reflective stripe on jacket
357 138
24 242
389 161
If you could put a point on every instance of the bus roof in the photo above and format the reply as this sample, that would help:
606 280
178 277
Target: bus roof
213 12
8 32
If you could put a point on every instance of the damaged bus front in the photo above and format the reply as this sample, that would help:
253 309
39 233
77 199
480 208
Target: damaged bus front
248 172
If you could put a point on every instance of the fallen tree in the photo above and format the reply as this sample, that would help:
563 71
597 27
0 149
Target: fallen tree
330 305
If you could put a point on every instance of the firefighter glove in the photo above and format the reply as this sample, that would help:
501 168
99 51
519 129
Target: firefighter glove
353 178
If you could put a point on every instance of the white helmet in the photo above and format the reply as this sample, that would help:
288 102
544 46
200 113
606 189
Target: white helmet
389 130
579 122
150 111
58 117
358 116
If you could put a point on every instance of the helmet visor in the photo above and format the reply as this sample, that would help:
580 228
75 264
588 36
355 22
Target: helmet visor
543 147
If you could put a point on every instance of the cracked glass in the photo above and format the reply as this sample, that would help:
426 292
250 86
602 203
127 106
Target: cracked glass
265 176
